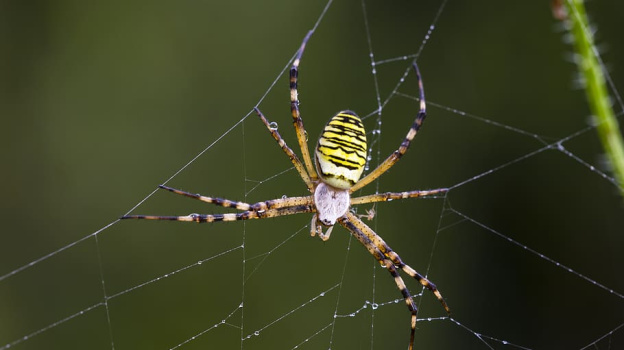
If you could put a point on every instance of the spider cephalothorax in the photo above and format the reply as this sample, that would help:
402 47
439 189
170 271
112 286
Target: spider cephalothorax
340 157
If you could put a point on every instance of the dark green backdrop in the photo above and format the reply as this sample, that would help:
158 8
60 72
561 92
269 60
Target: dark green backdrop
102 101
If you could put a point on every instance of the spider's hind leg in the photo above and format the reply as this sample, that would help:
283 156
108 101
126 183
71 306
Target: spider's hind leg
396 155
289 152
302 136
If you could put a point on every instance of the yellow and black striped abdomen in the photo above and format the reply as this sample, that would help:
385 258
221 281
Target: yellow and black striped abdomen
341 150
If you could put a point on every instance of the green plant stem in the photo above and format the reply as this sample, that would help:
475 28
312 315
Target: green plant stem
596 89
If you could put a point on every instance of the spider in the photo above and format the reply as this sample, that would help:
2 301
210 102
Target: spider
340 157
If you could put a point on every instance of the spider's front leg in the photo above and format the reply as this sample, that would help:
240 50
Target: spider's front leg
386 262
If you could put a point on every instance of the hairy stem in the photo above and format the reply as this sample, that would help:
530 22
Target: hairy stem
596 89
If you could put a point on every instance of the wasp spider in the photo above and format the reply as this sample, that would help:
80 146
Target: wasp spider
340 157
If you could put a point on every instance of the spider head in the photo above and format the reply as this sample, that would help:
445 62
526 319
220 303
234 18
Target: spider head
341 151
331 203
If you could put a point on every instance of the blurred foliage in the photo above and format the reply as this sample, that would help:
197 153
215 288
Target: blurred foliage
600 102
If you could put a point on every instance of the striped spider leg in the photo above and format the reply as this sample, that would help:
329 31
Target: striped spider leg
396 155
260 210
340 157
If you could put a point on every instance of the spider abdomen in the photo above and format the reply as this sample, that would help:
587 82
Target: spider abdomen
341 150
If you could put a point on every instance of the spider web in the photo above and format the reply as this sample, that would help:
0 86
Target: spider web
526 246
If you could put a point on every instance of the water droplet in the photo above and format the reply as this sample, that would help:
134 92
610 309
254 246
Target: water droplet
322 294
257 333
273 126
375 306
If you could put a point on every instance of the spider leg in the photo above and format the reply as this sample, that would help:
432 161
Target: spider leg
302 136
259 210
316 229
396 155
396 259
289 152
388 196
389 265
259 206
212 200
246 215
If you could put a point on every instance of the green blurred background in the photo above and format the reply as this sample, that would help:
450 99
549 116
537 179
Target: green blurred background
101 101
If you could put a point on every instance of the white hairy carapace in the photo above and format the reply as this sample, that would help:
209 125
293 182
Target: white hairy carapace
331 204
